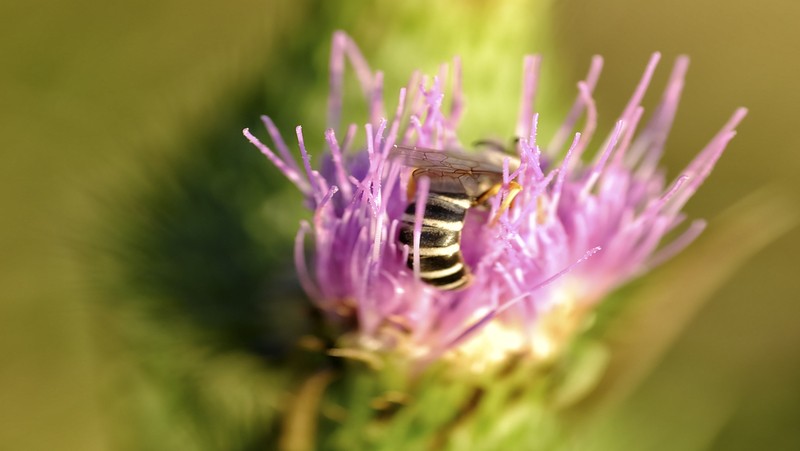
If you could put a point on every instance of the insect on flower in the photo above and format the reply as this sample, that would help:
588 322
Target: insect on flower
457 182
436 252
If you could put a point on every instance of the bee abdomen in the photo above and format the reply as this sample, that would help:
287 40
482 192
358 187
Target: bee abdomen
441 263
447 272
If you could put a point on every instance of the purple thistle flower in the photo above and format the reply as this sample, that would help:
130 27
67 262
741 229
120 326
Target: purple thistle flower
578 229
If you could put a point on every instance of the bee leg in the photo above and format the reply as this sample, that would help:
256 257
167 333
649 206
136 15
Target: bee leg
411 189
513 189
491 192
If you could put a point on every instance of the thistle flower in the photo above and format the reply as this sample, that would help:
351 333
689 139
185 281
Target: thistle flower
578 228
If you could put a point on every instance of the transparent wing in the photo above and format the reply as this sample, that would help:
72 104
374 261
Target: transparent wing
489 162
455 171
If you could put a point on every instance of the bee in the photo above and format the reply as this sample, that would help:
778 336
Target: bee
458 182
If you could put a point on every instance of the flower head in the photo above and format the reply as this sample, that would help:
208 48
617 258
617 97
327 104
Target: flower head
576 229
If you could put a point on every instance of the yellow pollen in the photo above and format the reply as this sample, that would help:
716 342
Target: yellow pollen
499 340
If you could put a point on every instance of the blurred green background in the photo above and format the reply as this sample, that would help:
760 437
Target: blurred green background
99 98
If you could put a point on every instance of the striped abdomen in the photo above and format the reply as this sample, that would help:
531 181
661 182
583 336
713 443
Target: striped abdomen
440 258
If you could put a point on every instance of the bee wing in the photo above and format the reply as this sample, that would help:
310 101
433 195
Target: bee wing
453 161
455 171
